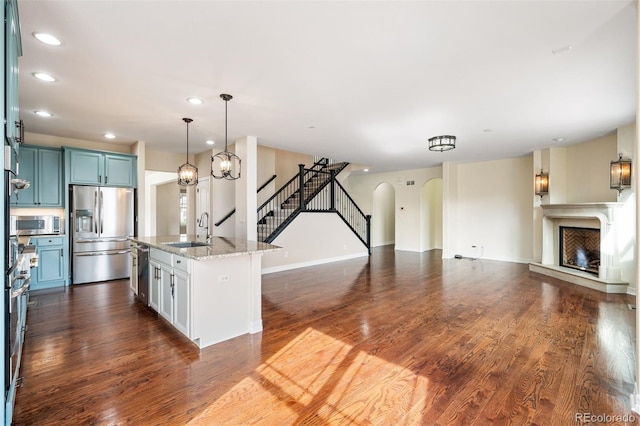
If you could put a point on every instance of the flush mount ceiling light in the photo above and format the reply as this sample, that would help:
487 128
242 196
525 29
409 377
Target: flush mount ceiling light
225 164
47 39
44 76
620 174
187 173
442 143
43 113
542 184
109 136
195 101
210 142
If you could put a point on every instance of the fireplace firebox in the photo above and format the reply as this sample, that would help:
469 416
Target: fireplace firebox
580 248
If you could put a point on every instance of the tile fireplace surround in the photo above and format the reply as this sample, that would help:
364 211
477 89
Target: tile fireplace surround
606 217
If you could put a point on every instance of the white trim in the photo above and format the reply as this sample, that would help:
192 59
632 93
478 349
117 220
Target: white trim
255 327
312 263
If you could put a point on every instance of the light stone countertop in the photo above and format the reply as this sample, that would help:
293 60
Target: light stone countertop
219 247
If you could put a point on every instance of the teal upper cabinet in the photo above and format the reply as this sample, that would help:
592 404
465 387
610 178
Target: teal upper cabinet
101 168
42 167
119 170
13 50
85 167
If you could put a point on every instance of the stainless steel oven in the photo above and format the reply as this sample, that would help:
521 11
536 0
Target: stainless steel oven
35 225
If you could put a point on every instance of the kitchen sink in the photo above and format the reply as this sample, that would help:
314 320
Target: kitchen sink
187 244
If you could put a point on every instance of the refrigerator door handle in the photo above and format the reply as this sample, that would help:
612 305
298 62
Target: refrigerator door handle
101 212
95 212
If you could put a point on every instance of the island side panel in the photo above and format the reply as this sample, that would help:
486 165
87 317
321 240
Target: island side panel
255 308
221 299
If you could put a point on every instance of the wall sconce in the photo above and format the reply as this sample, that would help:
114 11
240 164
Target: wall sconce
620 174
542 184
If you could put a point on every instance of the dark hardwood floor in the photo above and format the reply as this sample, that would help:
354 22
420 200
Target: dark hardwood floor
397 338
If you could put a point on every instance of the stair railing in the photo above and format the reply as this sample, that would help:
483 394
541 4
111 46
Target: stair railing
228 215
312 190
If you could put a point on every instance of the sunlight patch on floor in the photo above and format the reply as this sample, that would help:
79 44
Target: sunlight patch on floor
318 377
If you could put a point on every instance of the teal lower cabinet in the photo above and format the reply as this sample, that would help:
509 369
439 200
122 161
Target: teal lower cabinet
52 262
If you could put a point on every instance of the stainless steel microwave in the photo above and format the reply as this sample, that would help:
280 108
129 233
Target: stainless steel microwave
35 225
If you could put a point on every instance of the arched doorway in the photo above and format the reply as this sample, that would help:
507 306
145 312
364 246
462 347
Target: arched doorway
431 218
383 218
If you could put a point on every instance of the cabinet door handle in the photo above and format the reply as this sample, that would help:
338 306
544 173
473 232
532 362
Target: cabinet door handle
178 261
106 179
20 126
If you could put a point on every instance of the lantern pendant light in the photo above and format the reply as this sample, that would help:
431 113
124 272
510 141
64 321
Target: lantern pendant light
187 173
225 164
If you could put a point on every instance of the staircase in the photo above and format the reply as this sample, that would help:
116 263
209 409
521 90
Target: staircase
312 190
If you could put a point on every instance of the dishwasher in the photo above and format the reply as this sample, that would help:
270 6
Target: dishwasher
143 273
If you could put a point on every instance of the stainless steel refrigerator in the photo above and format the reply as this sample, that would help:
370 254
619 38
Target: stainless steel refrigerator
101 222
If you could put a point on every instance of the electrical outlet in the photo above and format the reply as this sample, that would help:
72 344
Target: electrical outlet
223 278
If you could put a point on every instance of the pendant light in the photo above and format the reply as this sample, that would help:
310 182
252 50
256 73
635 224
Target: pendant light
187 173
225 164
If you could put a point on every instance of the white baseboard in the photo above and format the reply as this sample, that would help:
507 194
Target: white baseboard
255 327
635 400
290 266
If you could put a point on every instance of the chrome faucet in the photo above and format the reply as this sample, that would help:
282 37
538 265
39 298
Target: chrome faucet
203 222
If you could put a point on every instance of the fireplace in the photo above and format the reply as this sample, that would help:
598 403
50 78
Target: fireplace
584 243
579 248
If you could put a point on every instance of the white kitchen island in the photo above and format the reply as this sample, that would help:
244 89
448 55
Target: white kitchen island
211 292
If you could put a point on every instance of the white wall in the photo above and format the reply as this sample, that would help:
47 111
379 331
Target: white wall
383 216
431 225
311 239
494 209
57 142
168 209
587 168
408 210
626 145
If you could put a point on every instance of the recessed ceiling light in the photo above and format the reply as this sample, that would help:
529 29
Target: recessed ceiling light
109 136
47 39
365 170
558 139
210 142
43 113
562 49
43 76
195 101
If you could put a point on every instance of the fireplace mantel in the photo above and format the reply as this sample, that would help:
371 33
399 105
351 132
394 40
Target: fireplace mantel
602 211
606 213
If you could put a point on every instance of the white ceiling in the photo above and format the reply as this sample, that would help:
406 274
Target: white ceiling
358 81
